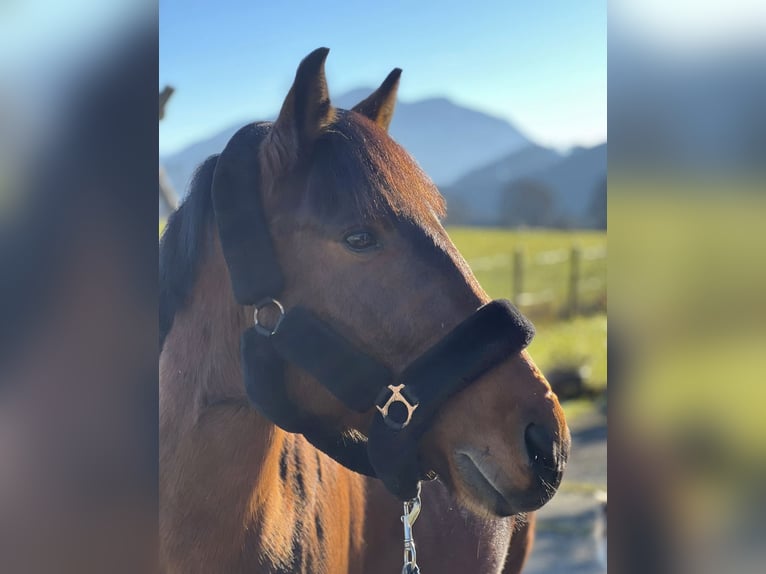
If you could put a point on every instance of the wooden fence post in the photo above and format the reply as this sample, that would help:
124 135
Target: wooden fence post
575 259
165 94
167 194
518 275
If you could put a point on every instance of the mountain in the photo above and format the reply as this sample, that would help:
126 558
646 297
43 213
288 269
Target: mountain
478 194
574 180
180 166
480 197
446 139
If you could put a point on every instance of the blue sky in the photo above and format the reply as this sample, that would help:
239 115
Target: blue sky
538 63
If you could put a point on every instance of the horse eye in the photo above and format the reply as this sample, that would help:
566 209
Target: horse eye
361 241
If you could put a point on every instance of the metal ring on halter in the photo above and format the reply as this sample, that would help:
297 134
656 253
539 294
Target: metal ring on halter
263 304
398 395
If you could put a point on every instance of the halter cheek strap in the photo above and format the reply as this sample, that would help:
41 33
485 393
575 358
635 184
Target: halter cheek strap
404 406
242 226
313 345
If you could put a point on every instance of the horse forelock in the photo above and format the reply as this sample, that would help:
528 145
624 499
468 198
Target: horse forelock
358 171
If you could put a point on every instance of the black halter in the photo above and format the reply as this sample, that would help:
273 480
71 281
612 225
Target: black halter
406 405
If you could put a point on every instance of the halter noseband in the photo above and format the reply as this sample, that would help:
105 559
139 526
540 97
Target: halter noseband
405 406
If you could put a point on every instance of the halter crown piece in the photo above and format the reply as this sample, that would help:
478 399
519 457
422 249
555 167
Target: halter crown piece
405 406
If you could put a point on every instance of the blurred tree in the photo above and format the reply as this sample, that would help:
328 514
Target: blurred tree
458 212
527 202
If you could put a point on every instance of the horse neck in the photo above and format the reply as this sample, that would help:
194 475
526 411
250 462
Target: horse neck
201 367
209 431
265 490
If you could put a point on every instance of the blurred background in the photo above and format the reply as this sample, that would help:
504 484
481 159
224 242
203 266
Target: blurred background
687 206
505 109
505 106
78 287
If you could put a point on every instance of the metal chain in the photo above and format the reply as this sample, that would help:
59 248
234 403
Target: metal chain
411 513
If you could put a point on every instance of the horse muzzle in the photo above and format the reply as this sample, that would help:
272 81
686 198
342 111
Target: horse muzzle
526 487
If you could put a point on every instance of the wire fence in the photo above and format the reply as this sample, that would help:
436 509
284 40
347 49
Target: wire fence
562 282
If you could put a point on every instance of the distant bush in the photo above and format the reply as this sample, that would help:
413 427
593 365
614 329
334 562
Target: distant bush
527 202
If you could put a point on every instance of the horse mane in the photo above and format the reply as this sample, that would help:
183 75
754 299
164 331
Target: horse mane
182 244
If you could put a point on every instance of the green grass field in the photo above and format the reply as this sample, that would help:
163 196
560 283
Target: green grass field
489 252
475 242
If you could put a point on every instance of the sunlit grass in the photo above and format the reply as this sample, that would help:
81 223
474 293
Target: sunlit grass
580 341
476 244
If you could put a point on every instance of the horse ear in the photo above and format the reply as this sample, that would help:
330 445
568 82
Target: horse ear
379 106
306 109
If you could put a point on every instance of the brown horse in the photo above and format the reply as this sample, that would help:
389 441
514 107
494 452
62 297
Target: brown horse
356 228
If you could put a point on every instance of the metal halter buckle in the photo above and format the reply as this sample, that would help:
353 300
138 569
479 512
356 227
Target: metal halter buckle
263 304
411 513
397 396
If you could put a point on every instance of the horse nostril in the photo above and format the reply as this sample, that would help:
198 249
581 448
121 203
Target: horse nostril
541 447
